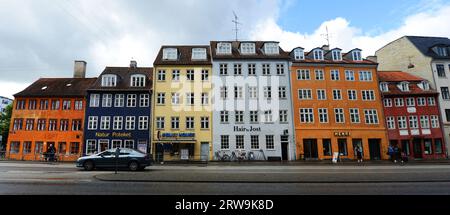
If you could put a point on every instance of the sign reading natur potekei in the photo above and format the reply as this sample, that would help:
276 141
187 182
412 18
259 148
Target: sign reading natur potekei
113 134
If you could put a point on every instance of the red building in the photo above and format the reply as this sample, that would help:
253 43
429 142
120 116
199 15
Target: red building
412 115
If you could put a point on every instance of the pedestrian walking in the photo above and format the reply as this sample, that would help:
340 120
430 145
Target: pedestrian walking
359 154
397 154
51 152
391 153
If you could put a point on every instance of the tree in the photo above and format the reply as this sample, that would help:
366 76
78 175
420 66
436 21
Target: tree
5 121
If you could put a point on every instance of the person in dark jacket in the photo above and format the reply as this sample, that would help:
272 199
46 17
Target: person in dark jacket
391 153
51 152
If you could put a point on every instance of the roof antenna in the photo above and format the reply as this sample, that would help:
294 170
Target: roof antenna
236 24
327 36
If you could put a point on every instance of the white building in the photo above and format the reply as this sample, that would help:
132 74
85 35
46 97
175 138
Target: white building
426 57
252 110
4 102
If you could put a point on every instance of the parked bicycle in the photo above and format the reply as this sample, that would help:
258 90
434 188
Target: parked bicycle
222 156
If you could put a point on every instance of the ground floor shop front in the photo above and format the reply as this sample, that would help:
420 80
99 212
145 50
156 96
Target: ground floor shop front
181 151
329 144
419 148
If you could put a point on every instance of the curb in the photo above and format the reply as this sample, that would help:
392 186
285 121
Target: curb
272 182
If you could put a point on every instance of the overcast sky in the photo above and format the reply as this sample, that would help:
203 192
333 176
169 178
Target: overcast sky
42 38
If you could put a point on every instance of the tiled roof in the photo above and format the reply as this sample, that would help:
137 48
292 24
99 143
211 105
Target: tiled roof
124 77
393 78
424 45
57 87
397 76
413 90
184 56
259 53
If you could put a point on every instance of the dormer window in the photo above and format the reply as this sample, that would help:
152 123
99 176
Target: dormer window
337 55
442 51
198 54
425 85
299 54
248 48
109 80
271 48
170 54
138 81
224 48
356 55
404 87
384 87
318 54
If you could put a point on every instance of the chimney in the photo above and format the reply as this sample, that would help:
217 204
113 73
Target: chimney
373 58
326 47
79 69
133 64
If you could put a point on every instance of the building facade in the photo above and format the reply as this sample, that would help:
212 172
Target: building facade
412 115
182 126
4 102
337 105
118 110
49 112
252 101
425 57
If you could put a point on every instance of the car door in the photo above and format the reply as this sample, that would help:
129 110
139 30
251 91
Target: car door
106 159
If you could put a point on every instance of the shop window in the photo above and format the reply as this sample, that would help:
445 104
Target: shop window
428 147
327 149
74 148
62 147
438 146
342 144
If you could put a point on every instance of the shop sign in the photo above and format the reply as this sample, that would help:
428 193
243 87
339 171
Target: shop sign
177 135
342 134
248 129
113 134
412 110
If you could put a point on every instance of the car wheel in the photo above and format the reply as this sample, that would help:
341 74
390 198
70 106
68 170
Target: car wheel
133 166
88 165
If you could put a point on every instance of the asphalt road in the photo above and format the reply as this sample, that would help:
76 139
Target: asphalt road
20 178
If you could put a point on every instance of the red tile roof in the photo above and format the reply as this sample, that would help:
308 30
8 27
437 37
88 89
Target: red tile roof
397 76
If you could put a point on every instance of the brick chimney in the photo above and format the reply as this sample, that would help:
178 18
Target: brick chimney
133 64
373 58
326 47
79 69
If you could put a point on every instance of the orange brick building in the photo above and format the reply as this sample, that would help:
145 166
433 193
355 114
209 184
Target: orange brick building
336 105
50 111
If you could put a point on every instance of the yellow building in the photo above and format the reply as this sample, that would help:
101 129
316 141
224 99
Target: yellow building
182 110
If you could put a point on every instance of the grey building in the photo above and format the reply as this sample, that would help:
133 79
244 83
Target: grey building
426 57
252 103
4 102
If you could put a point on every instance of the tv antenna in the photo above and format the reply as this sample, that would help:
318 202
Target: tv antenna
327 36
236 25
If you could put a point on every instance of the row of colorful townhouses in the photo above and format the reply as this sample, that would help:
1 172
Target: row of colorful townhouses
252 98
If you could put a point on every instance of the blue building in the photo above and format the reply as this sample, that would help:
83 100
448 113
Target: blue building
118 111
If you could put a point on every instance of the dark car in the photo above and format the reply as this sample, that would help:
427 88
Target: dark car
129 158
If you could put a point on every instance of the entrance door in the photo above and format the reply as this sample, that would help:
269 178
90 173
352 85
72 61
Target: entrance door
417 148
204 151
358 143
375 149
285 148
310 149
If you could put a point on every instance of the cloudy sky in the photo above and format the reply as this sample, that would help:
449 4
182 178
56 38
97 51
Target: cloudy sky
42 38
